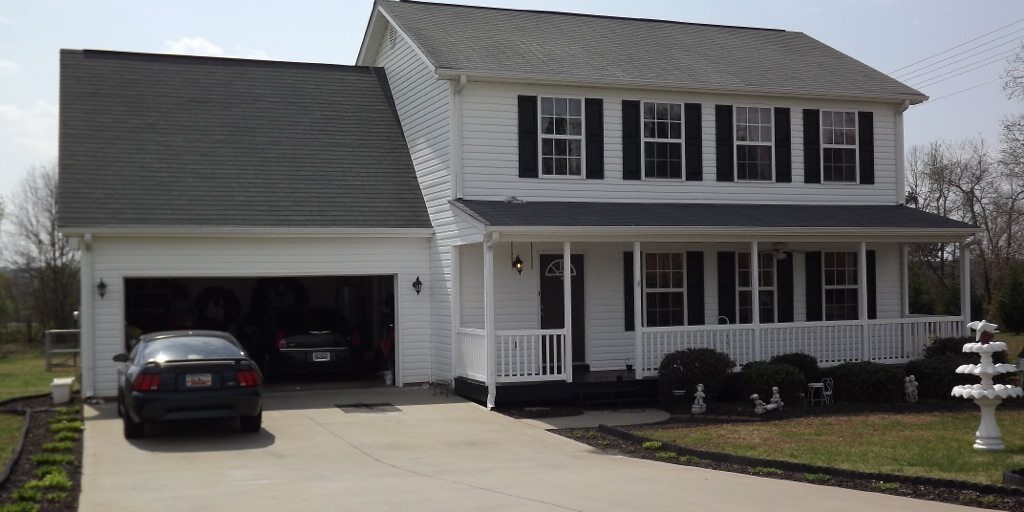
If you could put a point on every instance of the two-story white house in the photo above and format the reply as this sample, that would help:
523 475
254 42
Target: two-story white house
709 186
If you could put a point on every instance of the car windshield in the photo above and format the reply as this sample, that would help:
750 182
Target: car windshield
182 348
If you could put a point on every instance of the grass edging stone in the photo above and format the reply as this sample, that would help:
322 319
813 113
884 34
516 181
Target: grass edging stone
16 454
799 467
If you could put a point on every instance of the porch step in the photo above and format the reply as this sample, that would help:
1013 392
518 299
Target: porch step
629 393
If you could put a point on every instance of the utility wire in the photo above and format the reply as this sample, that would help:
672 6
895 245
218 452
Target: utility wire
943 79
915 69
944 96
923 72
938 78
958 46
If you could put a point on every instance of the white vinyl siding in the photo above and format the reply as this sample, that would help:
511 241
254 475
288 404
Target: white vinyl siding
491 170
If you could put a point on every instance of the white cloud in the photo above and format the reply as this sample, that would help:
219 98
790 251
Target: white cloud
8 66
200 46
6 21
28 136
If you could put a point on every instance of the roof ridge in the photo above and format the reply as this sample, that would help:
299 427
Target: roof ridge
586 15
238 60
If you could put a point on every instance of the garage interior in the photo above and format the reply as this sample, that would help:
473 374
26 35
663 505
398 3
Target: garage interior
255 309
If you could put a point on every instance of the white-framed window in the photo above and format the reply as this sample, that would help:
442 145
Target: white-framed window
754 144
840 282
766 288
665 289
838 146
663 140
561 136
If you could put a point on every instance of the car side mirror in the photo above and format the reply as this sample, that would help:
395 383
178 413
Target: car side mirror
121 358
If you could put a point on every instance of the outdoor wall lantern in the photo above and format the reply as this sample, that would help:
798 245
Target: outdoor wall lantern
517 262
101 288
417 285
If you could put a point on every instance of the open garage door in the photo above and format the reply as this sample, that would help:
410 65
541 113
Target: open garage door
295 328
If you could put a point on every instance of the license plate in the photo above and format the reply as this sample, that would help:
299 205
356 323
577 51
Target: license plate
321 356
198 380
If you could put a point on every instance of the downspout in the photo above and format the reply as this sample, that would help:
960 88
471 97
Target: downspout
901 157
87 318
455 133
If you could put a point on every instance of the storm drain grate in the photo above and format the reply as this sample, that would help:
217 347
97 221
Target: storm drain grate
368 407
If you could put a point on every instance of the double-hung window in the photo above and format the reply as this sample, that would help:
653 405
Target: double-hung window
561 136
663 140
840 282
754 144
665 289
766 288
839 146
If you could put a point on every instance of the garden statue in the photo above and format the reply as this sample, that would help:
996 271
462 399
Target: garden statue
698 401
910 388
987 395
776 399
759 406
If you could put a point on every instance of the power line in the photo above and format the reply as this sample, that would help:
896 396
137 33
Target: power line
931 68
944 96
958 46
989 59
915 69
943 79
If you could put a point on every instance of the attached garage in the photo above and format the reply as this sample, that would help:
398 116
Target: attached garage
230 194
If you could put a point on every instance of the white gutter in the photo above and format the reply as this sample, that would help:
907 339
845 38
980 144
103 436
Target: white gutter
86 316
247 232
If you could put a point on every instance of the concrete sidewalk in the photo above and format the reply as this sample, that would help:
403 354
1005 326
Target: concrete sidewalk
422 453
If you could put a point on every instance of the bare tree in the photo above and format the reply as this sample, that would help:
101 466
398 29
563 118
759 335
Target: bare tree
38 250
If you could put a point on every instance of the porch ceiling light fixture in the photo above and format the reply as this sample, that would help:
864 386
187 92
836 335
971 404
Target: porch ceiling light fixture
417 285
101 288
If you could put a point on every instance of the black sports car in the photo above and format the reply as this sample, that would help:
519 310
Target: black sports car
180 375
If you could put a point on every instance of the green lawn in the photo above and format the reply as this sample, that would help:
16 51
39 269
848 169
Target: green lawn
10 430
922 444
23 372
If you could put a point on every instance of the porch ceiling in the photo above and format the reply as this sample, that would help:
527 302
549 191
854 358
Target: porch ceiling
629 221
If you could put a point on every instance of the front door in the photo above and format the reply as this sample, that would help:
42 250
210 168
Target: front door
552 303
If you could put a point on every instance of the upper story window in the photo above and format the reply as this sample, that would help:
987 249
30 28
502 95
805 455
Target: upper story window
663 140
839 146
765 284
754 144
561 136
840 282
665 289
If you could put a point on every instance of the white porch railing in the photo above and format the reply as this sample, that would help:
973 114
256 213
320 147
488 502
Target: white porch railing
470 360
530 355
888 340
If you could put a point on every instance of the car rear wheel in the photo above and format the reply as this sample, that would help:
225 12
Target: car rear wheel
251 424
133 429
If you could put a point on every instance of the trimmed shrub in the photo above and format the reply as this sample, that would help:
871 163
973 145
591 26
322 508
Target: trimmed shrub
936 376
867 382
759 377
687 368
1009 303
807 364
941 347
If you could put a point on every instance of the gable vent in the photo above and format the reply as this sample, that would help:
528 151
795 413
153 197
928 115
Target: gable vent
391 37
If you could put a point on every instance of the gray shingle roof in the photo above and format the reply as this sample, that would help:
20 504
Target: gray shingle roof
550 214
588 48
161 140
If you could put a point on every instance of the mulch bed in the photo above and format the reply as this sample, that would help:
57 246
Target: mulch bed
39 433
604 440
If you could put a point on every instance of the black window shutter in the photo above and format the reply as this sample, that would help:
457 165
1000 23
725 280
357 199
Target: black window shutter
812 146
723 143
627 288
631 140
594 111
866 146
812 262
695 287
527 136
693 145
727 285
872 287
784 273
783 152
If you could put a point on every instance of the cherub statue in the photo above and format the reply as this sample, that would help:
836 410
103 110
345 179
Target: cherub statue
776 399
759 406
698 401
910 388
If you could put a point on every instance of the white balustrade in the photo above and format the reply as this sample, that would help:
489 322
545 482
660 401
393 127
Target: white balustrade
530 355
470 360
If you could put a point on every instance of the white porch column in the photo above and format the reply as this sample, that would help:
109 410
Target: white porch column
490 340
755 299
965 286
905 278
862 299
638 311
567 303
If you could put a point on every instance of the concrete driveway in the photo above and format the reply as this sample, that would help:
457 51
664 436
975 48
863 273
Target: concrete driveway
424 453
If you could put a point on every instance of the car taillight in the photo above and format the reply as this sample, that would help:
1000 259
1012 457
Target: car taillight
247 378
281 342
147 382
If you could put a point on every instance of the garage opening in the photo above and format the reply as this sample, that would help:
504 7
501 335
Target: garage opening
336 328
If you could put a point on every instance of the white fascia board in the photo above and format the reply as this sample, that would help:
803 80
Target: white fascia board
727 234
454 74
371 39
248 232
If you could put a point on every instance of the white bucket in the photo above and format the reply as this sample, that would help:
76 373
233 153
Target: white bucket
61 389
389 377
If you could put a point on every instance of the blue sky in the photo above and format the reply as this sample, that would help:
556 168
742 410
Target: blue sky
886 34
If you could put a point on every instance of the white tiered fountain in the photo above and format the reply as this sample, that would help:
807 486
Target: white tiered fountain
988 396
